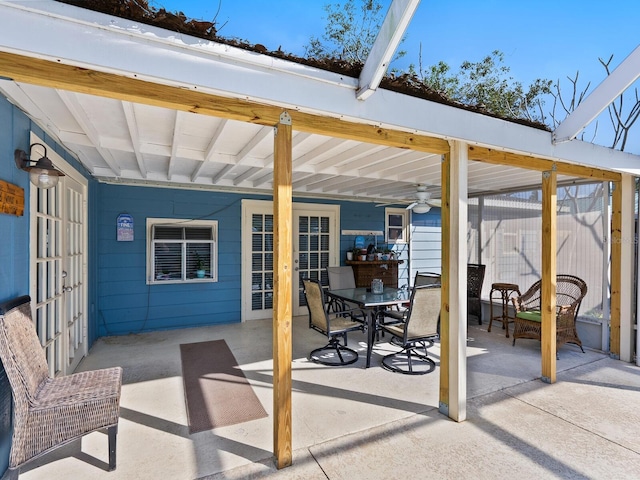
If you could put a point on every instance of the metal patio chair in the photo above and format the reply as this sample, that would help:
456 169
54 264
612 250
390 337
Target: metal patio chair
333 324
421 278
427 278
339 278
415 333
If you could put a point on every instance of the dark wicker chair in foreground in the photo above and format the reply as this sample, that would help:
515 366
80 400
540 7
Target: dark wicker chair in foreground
416 333
332 324
570 291
51 412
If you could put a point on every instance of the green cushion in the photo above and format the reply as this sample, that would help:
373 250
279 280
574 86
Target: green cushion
533 315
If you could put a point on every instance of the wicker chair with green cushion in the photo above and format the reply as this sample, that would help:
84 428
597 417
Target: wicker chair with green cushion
51 412
570 291
333 324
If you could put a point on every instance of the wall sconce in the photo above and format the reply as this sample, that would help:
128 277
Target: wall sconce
43 174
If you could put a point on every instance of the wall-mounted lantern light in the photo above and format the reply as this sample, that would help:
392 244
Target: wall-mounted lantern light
43 174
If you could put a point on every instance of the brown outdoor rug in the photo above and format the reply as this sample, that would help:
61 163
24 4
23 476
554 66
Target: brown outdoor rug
216 391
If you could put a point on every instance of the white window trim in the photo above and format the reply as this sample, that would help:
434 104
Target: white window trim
151 280
515 241
405 223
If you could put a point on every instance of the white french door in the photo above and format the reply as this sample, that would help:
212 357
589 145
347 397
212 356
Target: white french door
316 246
312 251
58 269
74 275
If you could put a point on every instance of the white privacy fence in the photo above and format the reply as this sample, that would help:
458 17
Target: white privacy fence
505 234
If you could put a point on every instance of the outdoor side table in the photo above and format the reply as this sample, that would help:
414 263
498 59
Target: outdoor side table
502 293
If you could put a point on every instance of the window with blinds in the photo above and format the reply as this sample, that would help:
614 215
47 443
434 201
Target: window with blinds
182 251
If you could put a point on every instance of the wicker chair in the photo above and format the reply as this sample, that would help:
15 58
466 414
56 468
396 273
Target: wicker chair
331 324
475 278
415 333
51 412
570 291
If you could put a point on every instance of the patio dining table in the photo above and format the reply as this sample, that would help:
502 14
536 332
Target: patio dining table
374 304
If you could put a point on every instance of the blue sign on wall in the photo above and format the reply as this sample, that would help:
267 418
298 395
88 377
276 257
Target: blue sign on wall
125 227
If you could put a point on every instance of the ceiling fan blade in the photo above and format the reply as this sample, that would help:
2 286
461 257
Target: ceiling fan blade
412 205
390 203
435 202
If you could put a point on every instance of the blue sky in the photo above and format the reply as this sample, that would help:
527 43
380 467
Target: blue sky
540 38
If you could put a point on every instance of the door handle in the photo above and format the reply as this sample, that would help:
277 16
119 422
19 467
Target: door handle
67 289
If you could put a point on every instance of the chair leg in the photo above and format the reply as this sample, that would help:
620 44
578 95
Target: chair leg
11 474
112 432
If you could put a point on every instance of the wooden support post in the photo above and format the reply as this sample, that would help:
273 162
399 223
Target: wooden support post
627 273
616 246
453 317
622 258
444 309
548 302
283 295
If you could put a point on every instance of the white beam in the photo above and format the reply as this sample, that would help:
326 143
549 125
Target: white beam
322 149
389 37
246 150
210 149
128 109
175 142
71 101
611 87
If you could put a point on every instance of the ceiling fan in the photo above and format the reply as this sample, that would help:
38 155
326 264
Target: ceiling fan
424 201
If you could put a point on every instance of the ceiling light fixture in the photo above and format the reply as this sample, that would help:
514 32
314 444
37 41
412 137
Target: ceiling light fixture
421 208
43 174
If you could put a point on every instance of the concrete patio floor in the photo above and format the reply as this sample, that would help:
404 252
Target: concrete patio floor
356 423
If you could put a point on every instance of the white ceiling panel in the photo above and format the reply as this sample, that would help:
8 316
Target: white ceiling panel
126 141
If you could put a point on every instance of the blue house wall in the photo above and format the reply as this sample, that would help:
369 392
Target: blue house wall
127 304
15 128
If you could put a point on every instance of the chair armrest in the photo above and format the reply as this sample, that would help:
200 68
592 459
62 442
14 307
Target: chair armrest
527 301
396 315
354 313
566 316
